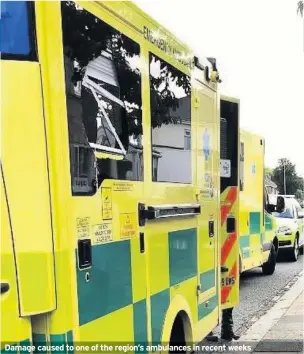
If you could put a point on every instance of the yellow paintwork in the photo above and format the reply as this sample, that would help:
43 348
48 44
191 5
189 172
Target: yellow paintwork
251 200
9 301
25 168
48 222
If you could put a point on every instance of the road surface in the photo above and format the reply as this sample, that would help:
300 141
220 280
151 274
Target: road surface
258 292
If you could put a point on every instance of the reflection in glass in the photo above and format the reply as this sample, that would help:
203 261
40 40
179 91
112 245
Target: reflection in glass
171 122
103 88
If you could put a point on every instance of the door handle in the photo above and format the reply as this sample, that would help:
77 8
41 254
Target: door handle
142 242
211 228
84 253
4 288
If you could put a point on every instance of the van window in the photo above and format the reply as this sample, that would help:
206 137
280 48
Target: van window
288 213
17 30
170 103
103 97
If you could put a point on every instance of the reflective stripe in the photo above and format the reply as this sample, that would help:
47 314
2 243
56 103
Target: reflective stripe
226 208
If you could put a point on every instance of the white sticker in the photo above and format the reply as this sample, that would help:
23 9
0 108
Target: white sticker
225 168
103 233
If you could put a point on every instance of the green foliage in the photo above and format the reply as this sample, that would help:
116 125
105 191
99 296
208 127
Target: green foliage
293 181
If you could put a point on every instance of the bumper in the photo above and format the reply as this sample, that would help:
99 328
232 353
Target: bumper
286 241
285 244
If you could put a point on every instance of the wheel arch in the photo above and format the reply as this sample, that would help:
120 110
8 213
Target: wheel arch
179 307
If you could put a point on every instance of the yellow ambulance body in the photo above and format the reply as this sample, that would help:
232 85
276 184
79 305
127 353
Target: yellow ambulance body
258 230
110 182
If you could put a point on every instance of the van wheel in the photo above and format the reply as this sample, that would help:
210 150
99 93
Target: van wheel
295 251
268 267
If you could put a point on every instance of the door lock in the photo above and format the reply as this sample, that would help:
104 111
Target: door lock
84 253
211 228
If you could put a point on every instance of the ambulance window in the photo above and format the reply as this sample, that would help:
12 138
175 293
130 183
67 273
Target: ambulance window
17 30
170 103
103 97
242 159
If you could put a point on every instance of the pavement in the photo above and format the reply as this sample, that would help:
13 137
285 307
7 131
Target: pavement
289 329
279 330
258 293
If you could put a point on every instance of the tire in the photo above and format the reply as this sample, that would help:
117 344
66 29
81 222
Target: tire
295 250
240 266
301 250
268 267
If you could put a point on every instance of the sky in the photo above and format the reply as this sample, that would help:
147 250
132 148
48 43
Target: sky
259 47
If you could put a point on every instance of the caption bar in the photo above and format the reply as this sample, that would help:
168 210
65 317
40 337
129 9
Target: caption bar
101 348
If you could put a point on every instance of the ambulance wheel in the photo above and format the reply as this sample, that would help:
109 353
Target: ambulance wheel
268 267
295 250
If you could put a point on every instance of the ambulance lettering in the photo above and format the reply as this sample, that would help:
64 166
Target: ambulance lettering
228 281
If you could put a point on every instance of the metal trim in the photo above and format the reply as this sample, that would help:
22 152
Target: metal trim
172 210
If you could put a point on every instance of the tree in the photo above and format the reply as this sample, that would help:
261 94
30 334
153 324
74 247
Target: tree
300 9
293 181
299 195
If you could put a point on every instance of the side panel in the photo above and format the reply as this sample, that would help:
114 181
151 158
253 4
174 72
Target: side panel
208 222
139 277
252 202
229 114
101 271
14 329
25 167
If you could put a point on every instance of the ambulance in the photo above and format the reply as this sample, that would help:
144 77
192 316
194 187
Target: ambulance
118 228
258 227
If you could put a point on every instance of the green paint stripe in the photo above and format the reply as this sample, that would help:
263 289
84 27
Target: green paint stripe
70 341
159 305
25 343
244 241
110 285
58 340
140 323
245 246
182 255
268 223
255 222
204 311
207 280
39 339
3 350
